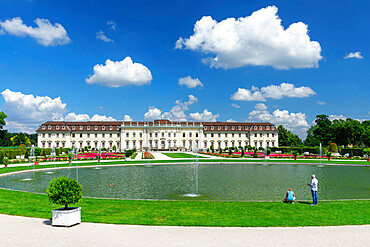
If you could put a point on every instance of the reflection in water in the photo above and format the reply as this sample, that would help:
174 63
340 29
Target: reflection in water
215 182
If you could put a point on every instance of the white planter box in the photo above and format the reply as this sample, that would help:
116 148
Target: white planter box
69 217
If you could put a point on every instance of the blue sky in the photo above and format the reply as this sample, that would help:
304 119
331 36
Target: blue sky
59 60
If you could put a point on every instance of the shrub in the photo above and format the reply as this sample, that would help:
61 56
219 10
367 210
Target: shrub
255 155
64 191
333 148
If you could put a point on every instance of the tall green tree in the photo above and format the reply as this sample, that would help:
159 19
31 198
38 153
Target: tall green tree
287 138
4 134
322 133
19 139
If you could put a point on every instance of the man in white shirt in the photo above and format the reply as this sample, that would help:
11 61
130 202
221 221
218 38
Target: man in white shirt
313 186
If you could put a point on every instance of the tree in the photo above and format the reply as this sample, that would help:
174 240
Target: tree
2 119
19 139
4 134
64 191
322 132
287 138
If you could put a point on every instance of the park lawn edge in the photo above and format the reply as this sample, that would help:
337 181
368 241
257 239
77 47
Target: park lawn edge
194 213
189 213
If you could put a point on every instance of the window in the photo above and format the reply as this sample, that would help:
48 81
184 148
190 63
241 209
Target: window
141 134
174 134
225 135
150 135
205 135
162 134
272 128
268 143
127 135
190 134
103 127
255 134
63 135
260 127
88 127
169 134
73 135
156 134
225 143
273 144
205 144
196 134
57 127
96 127
73 127
211 127
103 135
80 135
63 127
205 127
255 127
225 127
110 127
246 128
133 134
233 127
49 127
96 135
239 127
232 135
110 135
267 127
49 135
267 134
183 135
43 127
260 134
57 135
219 127
255 143
272 134
88 135
211 134
260 144
219 135
81 127
240 135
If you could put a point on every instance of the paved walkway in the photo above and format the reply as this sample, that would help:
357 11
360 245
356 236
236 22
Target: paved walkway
22 231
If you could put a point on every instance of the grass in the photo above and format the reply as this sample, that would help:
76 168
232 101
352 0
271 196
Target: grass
182 155
195 213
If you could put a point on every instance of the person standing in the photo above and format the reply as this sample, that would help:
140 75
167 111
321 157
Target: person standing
313 186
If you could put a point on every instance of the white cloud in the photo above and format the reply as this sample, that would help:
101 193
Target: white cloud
127 118
205 116
190 82
338 117
112 24
235 105
177 113
26 112
46 33
230 121
295 122
73 117
319 102
258 39
120 73
356 54
273 92
101 35
152 114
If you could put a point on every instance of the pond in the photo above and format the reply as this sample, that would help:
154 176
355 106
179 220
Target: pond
241 182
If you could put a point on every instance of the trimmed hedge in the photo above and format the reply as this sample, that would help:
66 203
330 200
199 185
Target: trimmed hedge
352 151
300 150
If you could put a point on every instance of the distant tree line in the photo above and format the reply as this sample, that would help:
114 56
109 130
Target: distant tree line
347 132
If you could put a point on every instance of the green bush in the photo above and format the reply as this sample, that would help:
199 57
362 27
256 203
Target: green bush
352 151
64 191
333 148
255 155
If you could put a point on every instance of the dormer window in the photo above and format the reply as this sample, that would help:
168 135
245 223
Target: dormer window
246 128
272 128
211 127
260 127
96 127
73 127
103 127
255 127
233 127
57 127
110 127
88 127
267 127
225 127
205 128
219 128
81 127
43 127
63 127
49 127
239 127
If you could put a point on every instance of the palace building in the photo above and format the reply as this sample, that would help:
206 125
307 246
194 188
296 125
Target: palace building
156 135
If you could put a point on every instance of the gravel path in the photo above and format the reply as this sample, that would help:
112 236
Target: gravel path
23 231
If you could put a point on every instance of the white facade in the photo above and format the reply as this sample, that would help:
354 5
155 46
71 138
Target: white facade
156 135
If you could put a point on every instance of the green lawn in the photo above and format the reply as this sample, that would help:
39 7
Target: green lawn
195 213
182 155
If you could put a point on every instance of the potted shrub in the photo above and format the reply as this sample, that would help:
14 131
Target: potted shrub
329 155
65 191
295 153
5 161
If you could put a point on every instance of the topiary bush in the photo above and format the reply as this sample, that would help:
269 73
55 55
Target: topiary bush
333 148
64 191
